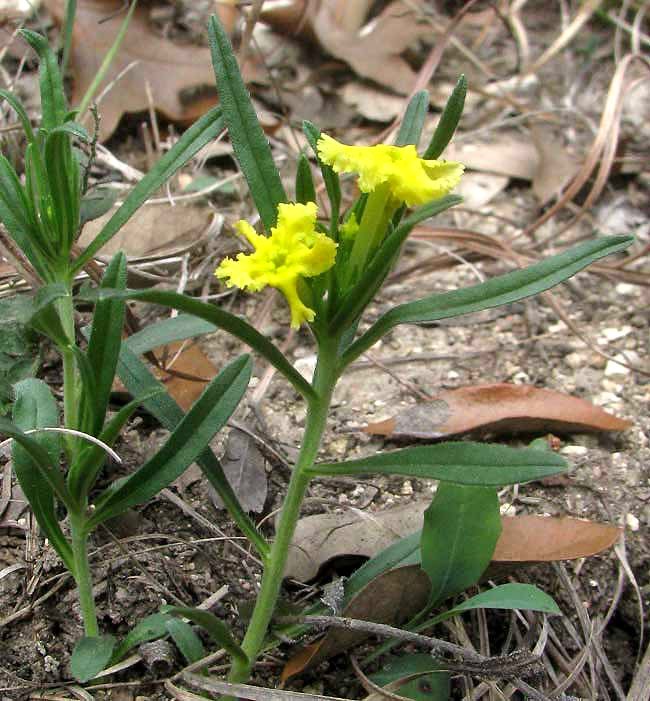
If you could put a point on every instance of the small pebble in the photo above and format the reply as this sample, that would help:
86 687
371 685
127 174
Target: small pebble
574 450
632 522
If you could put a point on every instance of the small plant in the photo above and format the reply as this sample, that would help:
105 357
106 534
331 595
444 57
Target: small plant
329 271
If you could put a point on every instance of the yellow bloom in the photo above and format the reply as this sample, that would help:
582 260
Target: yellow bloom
409 178
293 250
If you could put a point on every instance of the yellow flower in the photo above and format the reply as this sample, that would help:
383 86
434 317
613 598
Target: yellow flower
293 250
409 178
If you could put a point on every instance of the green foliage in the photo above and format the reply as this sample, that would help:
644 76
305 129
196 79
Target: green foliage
19 349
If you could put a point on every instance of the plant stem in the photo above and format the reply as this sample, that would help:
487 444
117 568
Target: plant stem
82 576
325 377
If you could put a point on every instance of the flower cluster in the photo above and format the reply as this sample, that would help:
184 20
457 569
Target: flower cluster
410 179
295 250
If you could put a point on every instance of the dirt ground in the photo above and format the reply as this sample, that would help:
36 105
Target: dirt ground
179 548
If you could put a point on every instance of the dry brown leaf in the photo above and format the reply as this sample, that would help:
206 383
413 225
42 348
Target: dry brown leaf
543 539
245 468
191 362
323 537
499 408
152 230
391 598
170 69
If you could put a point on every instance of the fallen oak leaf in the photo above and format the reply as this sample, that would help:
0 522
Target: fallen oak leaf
497 409
171 69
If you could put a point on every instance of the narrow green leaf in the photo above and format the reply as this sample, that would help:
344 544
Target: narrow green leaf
35 407
357 298
217 629
90 656
186 640
100 74
462 463
305 190
330 178
84 471
139 380
52 93
460 532
448 121
15 214
413 122
198 135
22 115
150 628
168 330
106 336
510 287
220 318
95 204
401 553
524 597
188 440
249 142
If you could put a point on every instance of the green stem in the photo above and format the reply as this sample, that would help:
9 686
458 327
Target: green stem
325 378
82 576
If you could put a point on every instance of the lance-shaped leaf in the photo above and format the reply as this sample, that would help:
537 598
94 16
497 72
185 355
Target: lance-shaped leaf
330 178
305 190
525 597
448 121
35 459
139 380
500 290
168 330
220 318
188 440
52 93
467 463
248 140
106 336
192 140
413 122
217 629
460 532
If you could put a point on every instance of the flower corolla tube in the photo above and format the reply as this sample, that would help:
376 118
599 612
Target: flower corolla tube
293 250
409 178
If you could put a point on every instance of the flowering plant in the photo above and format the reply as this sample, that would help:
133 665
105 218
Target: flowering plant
329 271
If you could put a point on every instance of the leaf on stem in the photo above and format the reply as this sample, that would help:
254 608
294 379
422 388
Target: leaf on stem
499 290
466 463
220 318
248 139
460 531
192 140
90 656
188 440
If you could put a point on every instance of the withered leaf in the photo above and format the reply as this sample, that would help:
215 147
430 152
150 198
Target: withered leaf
391 598
171 69
498 408
543 539
244 466
321 538
193 371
